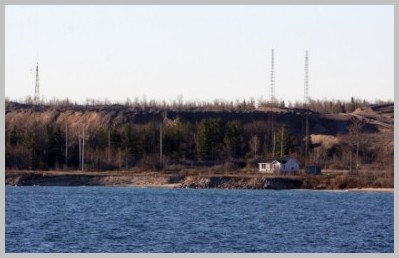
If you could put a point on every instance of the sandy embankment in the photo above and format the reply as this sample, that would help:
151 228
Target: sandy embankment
76 178
150 179
390 190
154 186
164 180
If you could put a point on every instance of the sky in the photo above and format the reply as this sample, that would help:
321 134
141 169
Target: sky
202 52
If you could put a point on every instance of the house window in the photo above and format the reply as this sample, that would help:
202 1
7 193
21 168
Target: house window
263 166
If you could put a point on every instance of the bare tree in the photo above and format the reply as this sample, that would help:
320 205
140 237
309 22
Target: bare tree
254 144
355 136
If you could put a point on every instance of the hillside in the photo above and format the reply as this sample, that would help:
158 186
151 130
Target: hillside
377 118
329 134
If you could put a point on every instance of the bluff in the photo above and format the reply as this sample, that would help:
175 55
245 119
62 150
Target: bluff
122 137
377 118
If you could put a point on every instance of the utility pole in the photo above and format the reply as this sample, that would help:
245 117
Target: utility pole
357 156
66 143
109 146
350 162
80 149
83 148
355 132
256 141
274 137
282 141
160 144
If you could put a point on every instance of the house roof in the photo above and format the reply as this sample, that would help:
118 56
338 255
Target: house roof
284 160
281 160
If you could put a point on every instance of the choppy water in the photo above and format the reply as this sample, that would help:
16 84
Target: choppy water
116 219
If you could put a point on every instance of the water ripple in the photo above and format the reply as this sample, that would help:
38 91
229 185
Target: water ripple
119 220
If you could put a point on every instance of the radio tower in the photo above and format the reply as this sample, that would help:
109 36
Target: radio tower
37 96
306 90
272 79
306 102
272 99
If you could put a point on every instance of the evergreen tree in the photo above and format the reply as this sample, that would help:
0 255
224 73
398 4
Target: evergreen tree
13 139
202 140
233 138
115 139
128 140
55 147
30 144
210 136
100 139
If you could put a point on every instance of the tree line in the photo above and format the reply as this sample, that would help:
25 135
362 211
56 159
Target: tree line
205 143
217 105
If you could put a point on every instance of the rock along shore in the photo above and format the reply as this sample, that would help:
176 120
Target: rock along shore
151 180
158 179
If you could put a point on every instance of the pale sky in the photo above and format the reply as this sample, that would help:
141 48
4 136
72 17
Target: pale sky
199 52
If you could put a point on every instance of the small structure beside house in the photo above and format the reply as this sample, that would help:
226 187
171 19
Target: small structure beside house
313 169
282 165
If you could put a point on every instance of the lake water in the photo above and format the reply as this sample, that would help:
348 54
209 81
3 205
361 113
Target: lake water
135 220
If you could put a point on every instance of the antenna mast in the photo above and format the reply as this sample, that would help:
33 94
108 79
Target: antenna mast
306 102
37 96
272 99
306 90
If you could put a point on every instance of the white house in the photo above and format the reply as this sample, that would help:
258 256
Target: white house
282 165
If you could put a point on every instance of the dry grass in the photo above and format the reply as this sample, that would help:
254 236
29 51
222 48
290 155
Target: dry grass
363 180
326 141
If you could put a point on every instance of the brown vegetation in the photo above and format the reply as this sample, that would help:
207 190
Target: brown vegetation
216 138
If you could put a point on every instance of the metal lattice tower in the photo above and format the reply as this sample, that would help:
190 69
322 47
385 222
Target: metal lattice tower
272 101
306 102
272 82
37 96
306 89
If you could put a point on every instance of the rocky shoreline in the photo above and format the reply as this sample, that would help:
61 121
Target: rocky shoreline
229 182
156 179
177 181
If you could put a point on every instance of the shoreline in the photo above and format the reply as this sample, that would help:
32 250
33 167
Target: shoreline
164 186
151 179
370 189
177 186
360 190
